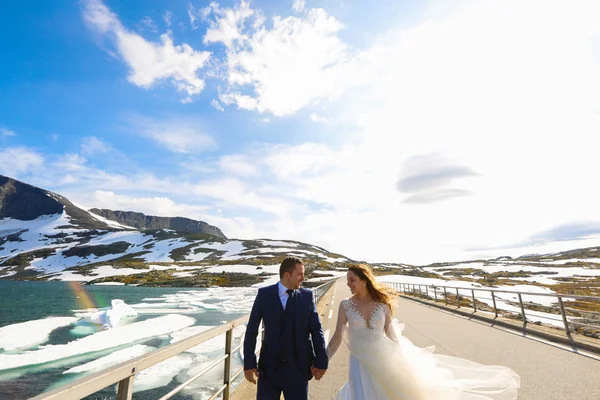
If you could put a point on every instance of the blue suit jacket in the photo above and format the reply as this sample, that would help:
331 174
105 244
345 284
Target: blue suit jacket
309 339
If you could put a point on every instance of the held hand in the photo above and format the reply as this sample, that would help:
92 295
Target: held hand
249 374
317 373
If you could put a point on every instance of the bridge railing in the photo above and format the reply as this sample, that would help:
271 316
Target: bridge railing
123 374
572 313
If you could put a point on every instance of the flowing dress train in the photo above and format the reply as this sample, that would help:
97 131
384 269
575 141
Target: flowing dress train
385 365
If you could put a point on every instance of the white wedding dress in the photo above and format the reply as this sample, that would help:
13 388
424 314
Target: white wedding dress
384 365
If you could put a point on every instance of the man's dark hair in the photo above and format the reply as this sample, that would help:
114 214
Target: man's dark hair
289 265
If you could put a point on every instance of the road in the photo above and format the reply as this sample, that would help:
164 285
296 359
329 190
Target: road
547 372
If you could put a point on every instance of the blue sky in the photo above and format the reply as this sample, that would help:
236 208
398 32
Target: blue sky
411 131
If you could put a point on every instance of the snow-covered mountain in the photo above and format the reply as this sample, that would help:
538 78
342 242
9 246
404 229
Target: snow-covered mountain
45 236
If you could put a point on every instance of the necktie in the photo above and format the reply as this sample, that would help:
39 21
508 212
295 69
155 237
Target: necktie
290 293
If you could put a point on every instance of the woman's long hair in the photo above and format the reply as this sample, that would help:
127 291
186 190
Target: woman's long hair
378 292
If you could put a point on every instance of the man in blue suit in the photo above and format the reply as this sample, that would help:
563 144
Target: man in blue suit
293 348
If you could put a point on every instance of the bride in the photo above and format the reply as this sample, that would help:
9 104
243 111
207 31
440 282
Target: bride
385 365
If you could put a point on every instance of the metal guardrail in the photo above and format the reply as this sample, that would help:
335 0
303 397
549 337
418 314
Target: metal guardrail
571 318
320 290
123 374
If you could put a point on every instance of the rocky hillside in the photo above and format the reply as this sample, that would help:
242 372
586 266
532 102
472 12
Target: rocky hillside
141 221
24 202
43 236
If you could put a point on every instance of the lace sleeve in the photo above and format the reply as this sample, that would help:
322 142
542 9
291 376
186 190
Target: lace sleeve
336 340
389 327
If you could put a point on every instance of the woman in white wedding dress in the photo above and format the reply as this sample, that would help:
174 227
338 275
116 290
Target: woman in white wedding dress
384 365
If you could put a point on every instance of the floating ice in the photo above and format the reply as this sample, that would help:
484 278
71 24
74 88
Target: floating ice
112 359
30 333
113 316
99 341
83 330
225 300
210 345
162 373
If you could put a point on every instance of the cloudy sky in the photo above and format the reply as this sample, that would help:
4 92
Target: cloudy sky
412 131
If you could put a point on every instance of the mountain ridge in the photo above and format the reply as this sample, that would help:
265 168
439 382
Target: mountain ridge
140 220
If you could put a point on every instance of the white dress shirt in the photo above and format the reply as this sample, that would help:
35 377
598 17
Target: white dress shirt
283 296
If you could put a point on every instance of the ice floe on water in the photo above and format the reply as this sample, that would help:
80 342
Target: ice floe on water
162 374
115 358
117 314
211 345
31 333
225 300
98 341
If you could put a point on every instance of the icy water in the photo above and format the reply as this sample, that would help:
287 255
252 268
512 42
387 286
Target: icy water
193 309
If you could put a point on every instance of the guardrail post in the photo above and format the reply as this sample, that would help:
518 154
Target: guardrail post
125 388
445 295
564 316
473 296
227 373
427 292
494 301
434 292
522 309
457 298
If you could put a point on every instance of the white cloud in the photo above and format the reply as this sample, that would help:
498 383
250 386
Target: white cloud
192 14
159 206
15 161
91 145
71 162
168 18
215 103
227 26
314 117
149 62
148 24
197 166
299 5
179 135
282 68
7 133
238 165
235 193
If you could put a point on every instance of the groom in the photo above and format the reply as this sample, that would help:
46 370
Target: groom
293 348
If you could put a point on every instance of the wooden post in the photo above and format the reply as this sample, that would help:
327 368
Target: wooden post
125 389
